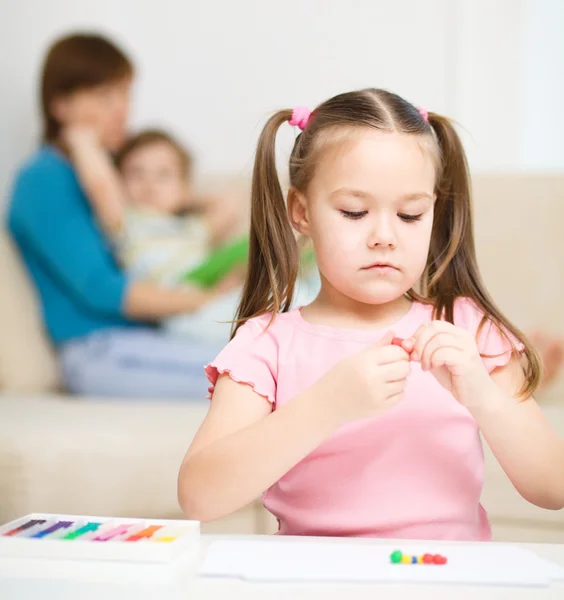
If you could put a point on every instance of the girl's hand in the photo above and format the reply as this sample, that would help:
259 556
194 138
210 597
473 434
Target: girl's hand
452 356
365 384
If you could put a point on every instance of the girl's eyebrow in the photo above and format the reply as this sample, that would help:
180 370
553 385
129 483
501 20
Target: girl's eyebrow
419 196
351 192
344 191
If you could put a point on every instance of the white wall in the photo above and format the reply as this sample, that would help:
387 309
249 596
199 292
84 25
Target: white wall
211 70
542 88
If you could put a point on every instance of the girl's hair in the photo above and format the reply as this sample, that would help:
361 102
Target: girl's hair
78 62
451 270
155 136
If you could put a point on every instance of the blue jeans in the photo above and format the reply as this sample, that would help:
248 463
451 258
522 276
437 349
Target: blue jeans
137 363
148 363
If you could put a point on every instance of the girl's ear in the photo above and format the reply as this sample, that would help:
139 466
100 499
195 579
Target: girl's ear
297 211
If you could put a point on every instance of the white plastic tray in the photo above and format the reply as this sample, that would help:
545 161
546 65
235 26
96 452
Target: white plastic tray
186 534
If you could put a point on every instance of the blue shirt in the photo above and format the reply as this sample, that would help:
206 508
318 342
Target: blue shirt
80 285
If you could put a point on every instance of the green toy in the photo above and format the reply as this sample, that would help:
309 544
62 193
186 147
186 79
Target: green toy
225 259
219 263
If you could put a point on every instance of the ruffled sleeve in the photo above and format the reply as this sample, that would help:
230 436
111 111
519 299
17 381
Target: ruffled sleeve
495 347
251 357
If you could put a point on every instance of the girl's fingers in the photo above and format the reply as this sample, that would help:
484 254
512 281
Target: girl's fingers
398 370
444 357
439 340
395 387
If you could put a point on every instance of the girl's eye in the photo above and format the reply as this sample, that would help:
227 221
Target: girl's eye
410 218
354 215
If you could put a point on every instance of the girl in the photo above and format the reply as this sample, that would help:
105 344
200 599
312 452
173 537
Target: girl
161 231
360 413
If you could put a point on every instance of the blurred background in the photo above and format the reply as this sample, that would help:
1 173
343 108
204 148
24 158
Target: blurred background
212 71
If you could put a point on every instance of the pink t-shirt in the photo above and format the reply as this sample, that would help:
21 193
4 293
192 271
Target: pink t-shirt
413 472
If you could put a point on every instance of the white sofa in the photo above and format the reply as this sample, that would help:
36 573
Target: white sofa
119 457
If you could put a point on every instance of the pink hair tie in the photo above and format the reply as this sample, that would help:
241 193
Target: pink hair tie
423 113
300 117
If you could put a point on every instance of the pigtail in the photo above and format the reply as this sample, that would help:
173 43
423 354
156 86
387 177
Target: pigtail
273 252
452 268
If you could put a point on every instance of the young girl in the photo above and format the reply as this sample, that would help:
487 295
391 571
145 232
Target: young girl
161 231
360 413
159 228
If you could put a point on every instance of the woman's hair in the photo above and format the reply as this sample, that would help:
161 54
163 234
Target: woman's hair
451 270
156 136
78 62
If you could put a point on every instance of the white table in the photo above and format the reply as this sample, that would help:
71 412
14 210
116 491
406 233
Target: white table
57 580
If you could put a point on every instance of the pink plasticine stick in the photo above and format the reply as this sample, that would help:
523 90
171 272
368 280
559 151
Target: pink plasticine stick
107 535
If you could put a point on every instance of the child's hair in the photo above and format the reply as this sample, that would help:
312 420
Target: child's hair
77 62
451 269
156 136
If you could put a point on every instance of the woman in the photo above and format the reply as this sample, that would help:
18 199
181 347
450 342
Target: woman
98 320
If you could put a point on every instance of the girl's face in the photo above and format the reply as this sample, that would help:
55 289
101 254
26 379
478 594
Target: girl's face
153 177
369 212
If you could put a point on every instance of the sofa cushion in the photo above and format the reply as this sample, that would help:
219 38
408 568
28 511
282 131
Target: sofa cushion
101 457
520 251
27 362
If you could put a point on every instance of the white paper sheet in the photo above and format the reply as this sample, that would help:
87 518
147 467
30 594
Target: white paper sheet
279 560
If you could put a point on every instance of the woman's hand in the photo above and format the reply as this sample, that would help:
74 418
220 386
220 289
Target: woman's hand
80 136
